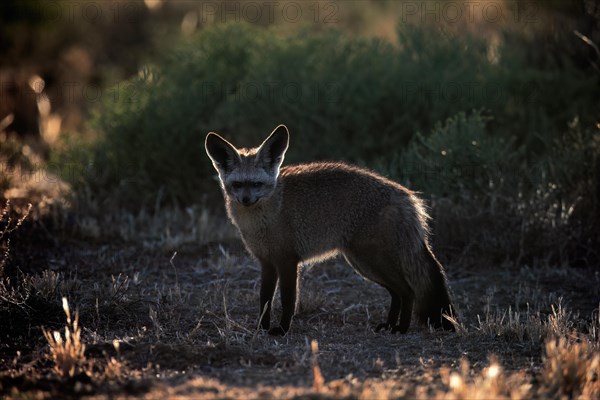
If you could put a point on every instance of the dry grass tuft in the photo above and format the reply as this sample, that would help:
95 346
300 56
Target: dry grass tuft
460 328
68 353
526 326
46 284
491 383
572 368
114 369
513 325
559 321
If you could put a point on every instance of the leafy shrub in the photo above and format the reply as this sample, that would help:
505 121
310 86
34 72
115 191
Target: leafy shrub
458 156
155 124
345 98
489 196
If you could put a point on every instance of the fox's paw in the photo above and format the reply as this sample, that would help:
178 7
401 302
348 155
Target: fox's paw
277 331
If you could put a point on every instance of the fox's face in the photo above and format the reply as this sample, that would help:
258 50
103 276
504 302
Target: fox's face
248 175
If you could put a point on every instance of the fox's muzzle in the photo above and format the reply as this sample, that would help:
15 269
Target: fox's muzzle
248 201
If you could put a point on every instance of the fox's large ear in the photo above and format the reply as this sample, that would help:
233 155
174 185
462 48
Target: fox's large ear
272 150
223 154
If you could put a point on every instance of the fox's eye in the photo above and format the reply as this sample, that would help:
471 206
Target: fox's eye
257 184
236 185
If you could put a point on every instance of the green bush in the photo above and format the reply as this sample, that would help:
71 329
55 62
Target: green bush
349 98
489 197
458 156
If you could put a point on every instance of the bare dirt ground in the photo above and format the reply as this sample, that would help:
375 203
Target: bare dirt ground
181 322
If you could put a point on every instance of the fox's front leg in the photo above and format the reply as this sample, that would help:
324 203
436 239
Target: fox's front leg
267 289
288 281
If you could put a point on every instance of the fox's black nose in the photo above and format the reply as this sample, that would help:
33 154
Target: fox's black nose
247 201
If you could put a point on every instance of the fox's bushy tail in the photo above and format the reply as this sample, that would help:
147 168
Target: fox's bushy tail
436 299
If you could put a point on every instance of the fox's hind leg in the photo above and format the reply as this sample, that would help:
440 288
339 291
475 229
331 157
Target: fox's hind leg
384 271
400 306
405 314
392 314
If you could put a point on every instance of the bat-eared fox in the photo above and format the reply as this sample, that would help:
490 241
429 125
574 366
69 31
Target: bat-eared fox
310 212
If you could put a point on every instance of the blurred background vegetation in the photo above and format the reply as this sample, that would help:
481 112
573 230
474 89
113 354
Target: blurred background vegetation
490 108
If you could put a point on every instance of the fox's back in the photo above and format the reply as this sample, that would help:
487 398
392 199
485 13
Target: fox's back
327 205
330 189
